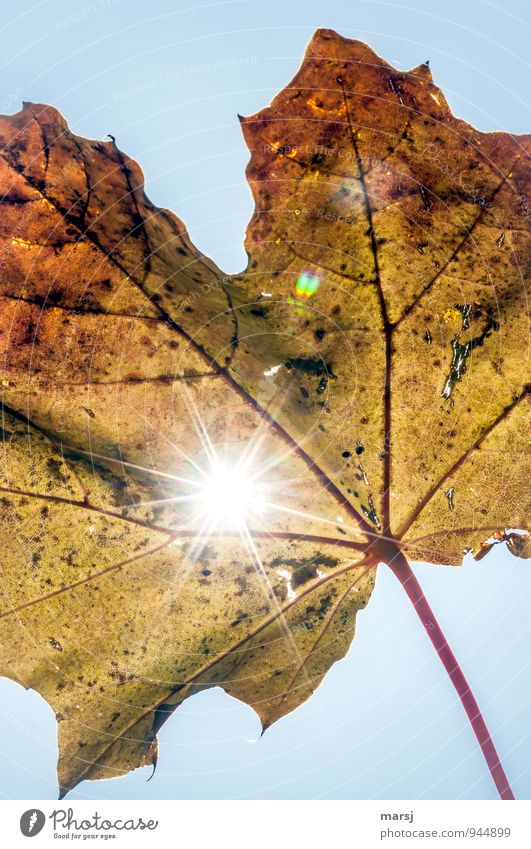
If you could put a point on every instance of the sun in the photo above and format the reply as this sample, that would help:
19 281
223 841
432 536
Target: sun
228 495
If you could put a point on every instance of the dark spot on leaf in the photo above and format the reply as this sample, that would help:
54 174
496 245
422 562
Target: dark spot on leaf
240 617
449 494
461 351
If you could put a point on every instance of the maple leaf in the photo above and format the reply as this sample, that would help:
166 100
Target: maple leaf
201 472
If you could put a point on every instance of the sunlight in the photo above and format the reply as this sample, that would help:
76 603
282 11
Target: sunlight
228 495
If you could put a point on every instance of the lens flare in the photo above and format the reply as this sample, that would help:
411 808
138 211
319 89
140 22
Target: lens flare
228 495
307 285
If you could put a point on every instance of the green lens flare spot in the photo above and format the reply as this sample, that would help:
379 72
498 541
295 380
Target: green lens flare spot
307 285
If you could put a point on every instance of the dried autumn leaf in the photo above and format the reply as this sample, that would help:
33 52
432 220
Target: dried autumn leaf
368 369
